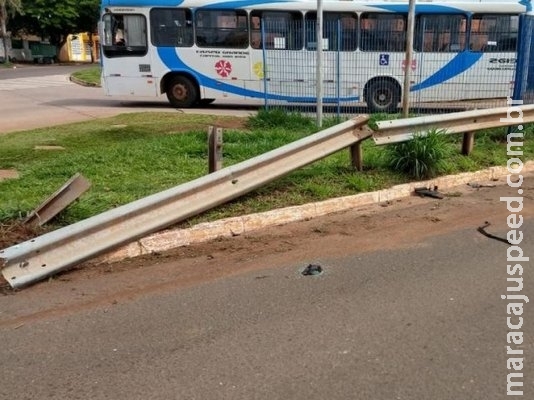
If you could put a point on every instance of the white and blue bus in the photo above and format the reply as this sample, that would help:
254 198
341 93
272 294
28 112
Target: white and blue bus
198 51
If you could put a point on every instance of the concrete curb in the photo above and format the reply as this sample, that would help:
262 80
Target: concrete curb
83 83
235 226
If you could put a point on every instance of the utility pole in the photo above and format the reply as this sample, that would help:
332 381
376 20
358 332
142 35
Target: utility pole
319 71
408 62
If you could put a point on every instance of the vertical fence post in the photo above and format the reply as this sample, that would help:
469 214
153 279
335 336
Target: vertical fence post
524 79
338 69
356 156
319 66
468 143
215 144
264 56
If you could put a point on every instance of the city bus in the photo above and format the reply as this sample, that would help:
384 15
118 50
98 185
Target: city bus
197 51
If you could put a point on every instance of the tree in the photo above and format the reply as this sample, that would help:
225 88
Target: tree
7 8
56 19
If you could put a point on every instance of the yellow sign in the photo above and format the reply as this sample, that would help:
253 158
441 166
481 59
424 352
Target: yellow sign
258 69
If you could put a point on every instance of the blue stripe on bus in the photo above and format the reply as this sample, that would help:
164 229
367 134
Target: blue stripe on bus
527 4
459 64
419 8
174 63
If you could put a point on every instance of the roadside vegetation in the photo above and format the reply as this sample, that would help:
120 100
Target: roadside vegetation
134 155
422 157
88 76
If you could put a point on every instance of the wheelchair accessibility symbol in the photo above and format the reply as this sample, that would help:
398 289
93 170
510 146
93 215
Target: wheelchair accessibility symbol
384 59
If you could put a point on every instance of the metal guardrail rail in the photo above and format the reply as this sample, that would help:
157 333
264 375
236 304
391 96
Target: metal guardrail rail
401 130
50 253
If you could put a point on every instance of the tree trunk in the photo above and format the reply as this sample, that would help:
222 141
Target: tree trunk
3 31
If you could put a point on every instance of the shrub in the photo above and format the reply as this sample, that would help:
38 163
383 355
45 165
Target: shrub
422 157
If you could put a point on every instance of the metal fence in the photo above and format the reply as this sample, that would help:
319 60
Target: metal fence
524 82
364 63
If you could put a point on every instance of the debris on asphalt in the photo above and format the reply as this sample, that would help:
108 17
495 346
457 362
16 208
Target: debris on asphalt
312 269
482 229
427 192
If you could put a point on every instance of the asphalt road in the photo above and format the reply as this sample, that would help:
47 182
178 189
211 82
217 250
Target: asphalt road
419 320
35 96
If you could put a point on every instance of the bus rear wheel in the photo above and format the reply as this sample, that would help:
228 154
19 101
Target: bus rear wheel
382 96
182 93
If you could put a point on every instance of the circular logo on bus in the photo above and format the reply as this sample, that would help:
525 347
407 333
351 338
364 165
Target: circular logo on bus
223 68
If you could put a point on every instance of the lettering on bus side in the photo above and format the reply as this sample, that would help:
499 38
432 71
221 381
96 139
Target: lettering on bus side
502 60
222 53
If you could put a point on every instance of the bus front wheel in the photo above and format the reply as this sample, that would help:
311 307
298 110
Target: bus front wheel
382 96
182 93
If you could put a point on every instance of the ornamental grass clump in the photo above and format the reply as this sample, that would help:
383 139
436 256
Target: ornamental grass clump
425 156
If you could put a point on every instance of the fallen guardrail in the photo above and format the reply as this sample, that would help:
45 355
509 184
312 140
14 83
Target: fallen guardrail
55 251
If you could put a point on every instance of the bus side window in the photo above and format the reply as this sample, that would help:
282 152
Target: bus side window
440 33
255 40
507 43
221 28
383 32
124 35
255 32
119 37
494 33
171 27
282 29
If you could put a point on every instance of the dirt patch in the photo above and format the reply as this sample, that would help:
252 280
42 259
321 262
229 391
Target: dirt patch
231 123
15 232
8 174
234 123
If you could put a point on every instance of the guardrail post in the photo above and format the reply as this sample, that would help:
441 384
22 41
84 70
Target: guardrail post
215 144
356 156
468 143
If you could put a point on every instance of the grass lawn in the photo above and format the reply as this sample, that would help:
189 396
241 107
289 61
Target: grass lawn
89 76
134 155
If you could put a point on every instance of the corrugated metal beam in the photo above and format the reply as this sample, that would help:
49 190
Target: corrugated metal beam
48 254
70 191
401 130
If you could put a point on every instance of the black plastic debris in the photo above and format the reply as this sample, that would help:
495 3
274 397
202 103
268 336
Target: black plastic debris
427 192
482 230
312 269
